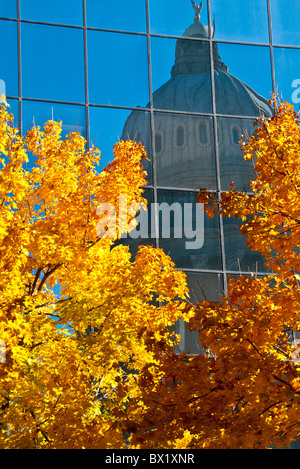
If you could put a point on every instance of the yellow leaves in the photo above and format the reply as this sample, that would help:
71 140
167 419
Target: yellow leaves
77 316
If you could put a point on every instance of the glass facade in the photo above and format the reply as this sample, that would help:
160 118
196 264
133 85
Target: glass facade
187 80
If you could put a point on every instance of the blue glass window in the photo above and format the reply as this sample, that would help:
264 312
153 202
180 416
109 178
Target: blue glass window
173 17
181 78
108 126
180 136
9 58
285 22
8 8
118 69
203 133
200 251
238 255
201 287
118 15
237 20
52 63
287 74
55 11
249 74
38 113
233 167
183 160
158 143
14 109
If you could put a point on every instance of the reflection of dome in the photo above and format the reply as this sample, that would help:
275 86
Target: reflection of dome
184 144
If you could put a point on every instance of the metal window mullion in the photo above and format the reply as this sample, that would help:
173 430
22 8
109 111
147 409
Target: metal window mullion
87 114
154 173
19 68
271 46
215 126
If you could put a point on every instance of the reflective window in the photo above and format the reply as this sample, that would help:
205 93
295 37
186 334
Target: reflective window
118 69
287 74
118 15
233 167
54 67
8 8
285 22
201 287
236 135
186 233
244 89
237 20
238 256
180 136
143 234
183 160
38 113
173 17
55 11
181 78
158 143
9 57
203 133
108 126
14 109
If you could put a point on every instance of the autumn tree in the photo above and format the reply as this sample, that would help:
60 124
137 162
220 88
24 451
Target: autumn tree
77 314
244 390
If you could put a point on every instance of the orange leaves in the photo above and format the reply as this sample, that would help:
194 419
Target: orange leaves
242 390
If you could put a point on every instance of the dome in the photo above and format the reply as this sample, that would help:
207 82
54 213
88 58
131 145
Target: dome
184 143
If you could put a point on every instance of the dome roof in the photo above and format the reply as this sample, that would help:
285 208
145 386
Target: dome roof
183 142
192 93
197 29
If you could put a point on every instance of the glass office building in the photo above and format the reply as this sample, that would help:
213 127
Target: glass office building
187 79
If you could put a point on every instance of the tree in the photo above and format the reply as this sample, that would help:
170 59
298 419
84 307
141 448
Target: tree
244 391
77 314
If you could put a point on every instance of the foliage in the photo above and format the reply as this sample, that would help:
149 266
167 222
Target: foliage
243 391
77 314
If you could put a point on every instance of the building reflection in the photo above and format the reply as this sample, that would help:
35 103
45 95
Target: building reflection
193 147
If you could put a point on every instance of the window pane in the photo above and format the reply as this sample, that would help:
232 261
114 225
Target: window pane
186 233
285 22
233 167
119 15
54 67
180 136
108 126
238 255
183 160
9 57
8 8
247 85
142 234
118 69
237 20
181 78
173 17
38 113
287 74
56 11
201 287
14 109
